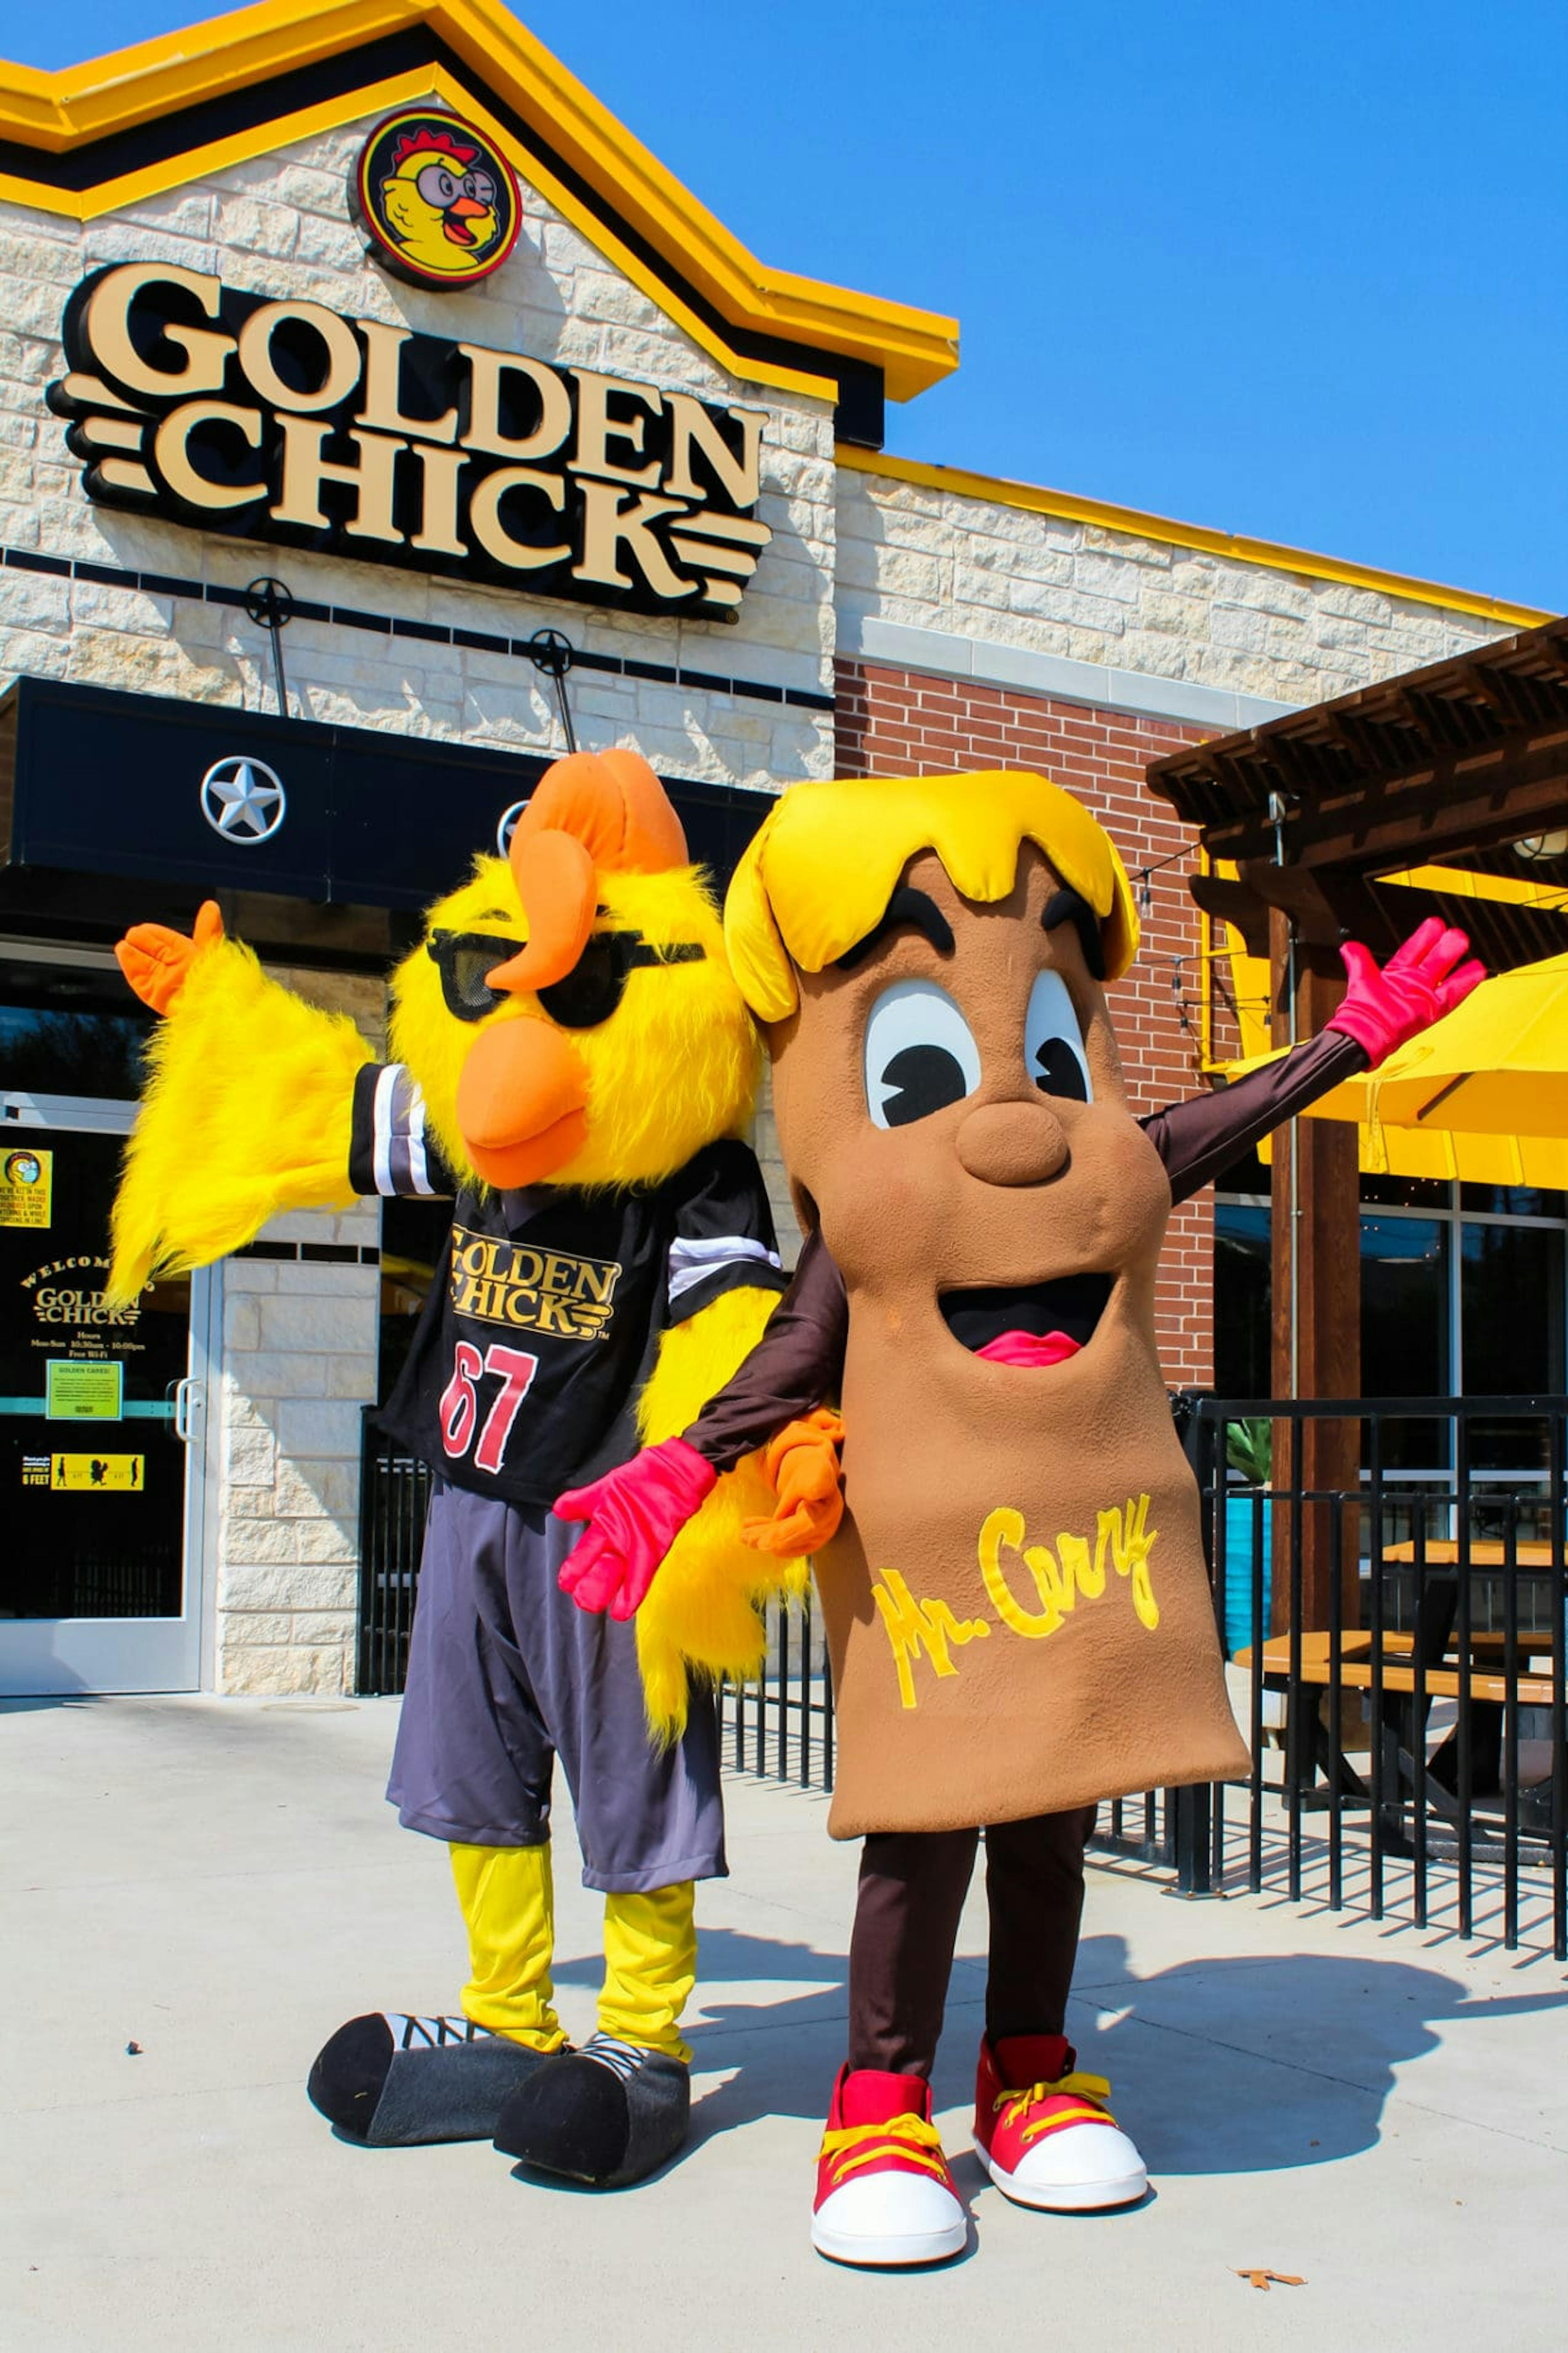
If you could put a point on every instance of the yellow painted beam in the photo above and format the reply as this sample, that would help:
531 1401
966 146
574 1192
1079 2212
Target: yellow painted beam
958 482
60 111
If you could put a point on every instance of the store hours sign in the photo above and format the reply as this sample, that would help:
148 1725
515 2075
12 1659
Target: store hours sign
281 420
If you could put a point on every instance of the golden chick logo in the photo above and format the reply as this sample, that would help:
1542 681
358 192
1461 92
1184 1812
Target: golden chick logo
437 199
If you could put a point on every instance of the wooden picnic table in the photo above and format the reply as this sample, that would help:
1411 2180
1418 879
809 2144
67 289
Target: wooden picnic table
1440 1680
1485 1552
1401 1732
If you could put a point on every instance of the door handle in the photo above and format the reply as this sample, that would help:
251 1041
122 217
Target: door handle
190 1399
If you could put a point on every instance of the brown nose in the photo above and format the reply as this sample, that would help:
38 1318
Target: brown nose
1013 1143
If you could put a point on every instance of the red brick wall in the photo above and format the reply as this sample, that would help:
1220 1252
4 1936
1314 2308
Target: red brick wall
900 722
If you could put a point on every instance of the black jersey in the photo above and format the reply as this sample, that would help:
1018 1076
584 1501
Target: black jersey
545 1319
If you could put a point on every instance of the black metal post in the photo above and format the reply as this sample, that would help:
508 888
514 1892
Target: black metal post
270 605
1193 1808
551 652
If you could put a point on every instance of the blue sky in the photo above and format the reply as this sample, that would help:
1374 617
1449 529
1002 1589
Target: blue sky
1298 272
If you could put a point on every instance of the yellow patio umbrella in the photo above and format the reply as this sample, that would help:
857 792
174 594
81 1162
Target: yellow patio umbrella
1490 1080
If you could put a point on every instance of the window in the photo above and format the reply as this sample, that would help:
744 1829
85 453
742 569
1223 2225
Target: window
1464 1288
70 1028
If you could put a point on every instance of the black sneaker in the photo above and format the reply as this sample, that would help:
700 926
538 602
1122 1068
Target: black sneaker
608 2114
397 2082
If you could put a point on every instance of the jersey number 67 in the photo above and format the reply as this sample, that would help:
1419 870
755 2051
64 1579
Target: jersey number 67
459 1408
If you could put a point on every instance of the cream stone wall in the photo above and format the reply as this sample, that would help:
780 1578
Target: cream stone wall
300 1349
299 1366
280 226
939 581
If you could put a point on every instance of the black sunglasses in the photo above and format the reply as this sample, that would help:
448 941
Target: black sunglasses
588 994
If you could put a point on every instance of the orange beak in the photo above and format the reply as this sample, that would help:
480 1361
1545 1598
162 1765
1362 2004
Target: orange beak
466 208
521 1103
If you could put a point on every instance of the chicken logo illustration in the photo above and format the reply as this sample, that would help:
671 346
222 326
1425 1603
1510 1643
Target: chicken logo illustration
436 198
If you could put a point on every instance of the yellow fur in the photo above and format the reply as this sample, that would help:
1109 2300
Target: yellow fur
701 1607
674 1068
245 1114
820 869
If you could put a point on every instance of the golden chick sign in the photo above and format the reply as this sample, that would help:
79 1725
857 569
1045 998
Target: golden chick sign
282 420
437 200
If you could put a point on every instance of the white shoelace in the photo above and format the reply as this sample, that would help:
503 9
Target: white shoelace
433 2033
622 2059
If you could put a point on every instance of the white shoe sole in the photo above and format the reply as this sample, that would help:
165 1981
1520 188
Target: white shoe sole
897 2249
1065 2198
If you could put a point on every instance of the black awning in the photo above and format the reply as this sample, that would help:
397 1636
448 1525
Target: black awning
98 782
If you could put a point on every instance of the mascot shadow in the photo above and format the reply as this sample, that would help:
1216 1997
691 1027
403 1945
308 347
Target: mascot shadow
1218 2065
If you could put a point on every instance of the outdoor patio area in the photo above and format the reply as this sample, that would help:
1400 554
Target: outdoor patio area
1375 2109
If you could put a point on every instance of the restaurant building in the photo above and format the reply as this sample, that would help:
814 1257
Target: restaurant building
374 411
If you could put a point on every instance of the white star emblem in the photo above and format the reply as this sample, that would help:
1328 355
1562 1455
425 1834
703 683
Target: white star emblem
244 800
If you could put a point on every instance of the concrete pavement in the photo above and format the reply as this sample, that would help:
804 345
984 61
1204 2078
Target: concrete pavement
219 1881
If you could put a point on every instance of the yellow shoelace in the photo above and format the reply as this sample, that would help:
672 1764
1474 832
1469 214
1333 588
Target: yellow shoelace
919 2142
1092 2089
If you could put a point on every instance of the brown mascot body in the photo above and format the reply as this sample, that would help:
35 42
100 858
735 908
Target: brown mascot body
1015 1596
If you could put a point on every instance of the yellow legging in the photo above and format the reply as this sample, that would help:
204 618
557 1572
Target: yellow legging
508 1900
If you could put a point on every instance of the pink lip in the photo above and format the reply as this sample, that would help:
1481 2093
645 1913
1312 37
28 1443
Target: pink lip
1029 1350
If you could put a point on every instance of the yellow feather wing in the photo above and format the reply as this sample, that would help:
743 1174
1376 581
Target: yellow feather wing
702 1609
246 1113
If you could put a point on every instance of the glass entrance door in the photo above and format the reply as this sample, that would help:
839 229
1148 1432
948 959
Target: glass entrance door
102 1424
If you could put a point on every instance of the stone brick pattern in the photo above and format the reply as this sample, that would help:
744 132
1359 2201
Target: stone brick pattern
280 226
935 559
900 722
299 1341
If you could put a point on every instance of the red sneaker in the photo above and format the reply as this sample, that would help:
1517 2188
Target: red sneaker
1045 2134
884 2194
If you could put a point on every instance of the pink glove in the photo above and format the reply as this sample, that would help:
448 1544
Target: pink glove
1422 980
638 1512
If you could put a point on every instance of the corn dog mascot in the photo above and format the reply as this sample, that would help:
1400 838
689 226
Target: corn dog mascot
1017 1603
572 1059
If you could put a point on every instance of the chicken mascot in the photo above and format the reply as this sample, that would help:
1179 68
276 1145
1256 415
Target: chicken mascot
1016 1604
571 1059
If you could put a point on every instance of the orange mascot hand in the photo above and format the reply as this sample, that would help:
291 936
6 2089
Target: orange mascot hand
157 961
802 1467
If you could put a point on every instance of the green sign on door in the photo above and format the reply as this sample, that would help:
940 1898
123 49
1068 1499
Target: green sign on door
81 1390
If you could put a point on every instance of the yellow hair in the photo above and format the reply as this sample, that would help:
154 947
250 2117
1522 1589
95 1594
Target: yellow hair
245 1113
675 1066
701 1611
818 874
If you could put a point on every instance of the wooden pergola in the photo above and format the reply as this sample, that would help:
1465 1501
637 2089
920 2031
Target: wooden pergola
1450 767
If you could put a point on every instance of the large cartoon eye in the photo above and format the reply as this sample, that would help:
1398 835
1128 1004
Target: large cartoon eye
1053 1043
436 185
920 1054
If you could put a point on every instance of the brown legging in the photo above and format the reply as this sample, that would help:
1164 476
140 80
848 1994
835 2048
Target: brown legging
912 1886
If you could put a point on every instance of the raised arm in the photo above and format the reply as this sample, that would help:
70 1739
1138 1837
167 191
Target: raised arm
1199 1138
1382 1010
248 1108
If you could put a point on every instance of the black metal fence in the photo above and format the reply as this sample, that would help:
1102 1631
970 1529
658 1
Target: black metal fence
781 1727
394 1497
1390 1583
1399 1581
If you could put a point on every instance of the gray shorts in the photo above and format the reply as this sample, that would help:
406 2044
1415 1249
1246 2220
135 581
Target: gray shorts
505 1674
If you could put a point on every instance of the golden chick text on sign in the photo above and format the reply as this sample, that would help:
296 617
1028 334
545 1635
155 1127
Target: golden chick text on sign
1073 1573
531 1289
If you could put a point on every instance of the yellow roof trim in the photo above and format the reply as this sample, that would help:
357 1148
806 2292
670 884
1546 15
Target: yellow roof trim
1001 492
1468 882
59 110
399 90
